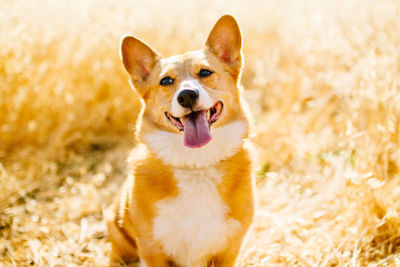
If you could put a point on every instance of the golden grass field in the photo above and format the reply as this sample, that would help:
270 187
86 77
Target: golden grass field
322 79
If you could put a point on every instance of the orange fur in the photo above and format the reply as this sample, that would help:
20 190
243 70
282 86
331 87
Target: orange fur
152 180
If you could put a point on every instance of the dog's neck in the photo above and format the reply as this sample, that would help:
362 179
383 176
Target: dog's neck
169 147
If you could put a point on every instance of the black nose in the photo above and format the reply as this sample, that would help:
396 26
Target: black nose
187 98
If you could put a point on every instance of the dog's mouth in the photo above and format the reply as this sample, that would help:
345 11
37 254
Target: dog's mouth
196 125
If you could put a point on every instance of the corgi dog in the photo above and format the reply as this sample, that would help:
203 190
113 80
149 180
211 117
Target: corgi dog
188 198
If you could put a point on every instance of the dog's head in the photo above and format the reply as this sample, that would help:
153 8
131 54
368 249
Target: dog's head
189 95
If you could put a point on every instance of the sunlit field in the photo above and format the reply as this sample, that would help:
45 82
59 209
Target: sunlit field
322 79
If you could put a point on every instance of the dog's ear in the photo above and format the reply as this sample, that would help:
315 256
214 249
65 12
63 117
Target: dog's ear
139 58
225 41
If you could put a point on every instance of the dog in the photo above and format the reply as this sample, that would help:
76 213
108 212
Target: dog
188 197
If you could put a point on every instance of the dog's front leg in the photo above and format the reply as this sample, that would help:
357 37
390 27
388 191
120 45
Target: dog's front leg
154 261
152 258
227 258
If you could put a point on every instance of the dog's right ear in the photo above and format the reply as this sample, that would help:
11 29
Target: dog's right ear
139 58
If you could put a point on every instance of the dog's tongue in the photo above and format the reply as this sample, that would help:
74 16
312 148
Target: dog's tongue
196 131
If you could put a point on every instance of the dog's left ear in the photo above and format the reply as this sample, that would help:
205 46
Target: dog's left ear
225 41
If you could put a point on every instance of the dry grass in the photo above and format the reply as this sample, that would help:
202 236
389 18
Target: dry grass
323 80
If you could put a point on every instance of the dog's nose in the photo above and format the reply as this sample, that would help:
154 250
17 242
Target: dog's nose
187 98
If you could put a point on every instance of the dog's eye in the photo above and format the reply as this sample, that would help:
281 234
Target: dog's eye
166 81
205 73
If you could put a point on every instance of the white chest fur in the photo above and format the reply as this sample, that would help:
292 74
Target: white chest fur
193 225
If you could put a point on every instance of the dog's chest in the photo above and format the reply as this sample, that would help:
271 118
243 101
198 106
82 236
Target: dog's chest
193 225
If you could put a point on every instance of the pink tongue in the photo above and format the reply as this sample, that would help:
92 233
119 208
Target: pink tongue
196 130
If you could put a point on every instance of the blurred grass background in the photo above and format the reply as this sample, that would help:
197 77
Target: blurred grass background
322 79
